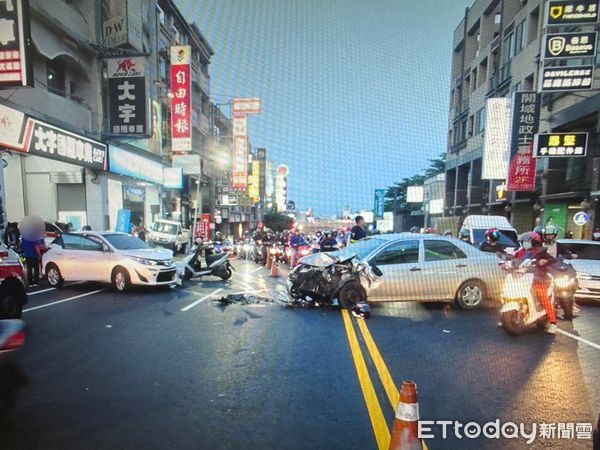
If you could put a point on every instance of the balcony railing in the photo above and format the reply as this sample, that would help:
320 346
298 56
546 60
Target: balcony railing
500 79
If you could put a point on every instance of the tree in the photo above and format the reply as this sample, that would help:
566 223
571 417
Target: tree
396 194
278 221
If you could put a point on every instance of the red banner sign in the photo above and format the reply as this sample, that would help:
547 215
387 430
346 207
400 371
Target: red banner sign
521 174
240 153
181 102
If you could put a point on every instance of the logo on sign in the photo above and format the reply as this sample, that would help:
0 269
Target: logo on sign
556 12
181 55
126 68
556 45
581 218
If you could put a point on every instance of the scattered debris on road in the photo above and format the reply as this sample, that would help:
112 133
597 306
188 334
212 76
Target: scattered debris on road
243 299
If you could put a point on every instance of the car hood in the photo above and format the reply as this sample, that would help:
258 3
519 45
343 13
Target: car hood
157 254
323 259
590 266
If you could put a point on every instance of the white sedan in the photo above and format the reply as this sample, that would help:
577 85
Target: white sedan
108 257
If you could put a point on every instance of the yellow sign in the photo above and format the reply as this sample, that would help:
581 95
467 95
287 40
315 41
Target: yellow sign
254 182
556 12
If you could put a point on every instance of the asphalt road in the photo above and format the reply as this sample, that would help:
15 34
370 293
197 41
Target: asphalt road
170 368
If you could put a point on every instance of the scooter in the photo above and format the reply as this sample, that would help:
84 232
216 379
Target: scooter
565 286
521 310
216 264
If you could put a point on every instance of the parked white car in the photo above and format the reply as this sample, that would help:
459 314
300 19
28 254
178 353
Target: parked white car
478 225
169 234
108 257
586 264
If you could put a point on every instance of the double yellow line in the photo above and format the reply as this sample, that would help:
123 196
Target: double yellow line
380 427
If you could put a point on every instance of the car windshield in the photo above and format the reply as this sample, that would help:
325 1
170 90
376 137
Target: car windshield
508 238
163 227
125 242
583 251
361 249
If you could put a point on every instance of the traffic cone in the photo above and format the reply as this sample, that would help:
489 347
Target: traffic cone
274 268
406 424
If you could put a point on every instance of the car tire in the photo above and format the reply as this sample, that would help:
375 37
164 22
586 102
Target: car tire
53 276
11 302
470 295
120 279
350 294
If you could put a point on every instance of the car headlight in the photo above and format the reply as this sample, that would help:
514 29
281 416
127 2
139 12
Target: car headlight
563 282
145 262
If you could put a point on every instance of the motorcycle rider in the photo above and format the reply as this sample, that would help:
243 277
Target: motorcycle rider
492 242
329 243
549 234
531 248
296 241
341 239
465 236
415 230
317 241
448 233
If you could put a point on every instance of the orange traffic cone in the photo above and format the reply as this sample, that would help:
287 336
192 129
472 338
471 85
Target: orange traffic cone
274 268
268 262
405 432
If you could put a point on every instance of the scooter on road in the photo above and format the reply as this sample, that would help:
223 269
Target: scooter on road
216 264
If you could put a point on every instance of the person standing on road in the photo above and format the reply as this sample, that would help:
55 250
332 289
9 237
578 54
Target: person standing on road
358 231
33 249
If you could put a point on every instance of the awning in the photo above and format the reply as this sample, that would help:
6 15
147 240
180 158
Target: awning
50 45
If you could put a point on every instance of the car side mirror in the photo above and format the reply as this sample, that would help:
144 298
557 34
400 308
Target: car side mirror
376 270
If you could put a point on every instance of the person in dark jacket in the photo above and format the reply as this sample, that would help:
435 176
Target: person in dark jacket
358 231
329 243
492 242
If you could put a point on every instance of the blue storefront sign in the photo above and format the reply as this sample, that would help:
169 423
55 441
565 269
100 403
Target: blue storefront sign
123 220
379 203
131 164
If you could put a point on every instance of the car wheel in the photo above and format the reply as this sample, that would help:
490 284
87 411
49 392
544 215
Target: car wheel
350 294
120 279
54 276
470 295
11 302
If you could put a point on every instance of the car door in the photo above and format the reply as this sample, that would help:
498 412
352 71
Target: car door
98 261
443 269
68 257
399 263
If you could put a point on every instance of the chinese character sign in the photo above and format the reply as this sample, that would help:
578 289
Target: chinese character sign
15 67
127 96
53 142
561 145
525 123
572 12
572 78
240 161
181 101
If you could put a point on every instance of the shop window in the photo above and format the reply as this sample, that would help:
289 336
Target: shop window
55 77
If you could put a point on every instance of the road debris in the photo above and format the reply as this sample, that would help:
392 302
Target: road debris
243 299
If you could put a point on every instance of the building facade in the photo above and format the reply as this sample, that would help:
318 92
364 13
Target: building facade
497 51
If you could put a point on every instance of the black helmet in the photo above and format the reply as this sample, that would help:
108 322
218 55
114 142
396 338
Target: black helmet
464 235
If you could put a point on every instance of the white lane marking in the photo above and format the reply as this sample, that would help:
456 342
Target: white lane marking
255 270
54 289
64 300
200 300
578 338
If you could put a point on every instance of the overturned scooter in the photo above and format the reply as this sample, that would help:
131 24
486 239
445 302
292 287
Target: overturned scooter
217 265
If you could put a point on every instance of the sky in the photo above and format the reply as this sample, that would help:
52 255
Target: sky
355 93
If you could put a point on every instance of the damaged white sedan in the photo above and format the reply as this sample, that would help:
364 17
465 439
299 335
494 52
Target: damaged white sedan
398 267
